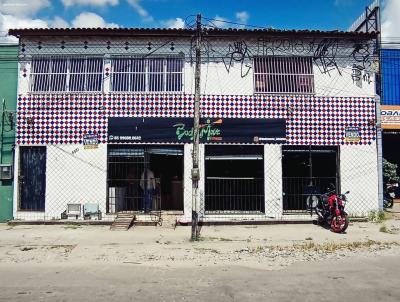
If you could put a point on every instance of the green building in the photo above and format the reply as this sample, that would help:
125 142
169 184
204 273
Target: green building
8 95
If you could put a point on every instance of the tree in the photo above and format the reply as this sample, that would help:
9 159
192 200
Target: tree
389 172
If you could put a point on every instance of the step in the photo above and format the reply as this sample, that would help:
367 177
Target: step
123 221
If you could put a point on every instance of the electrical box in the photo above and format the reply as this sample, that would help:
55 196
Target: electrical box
6 172
195 174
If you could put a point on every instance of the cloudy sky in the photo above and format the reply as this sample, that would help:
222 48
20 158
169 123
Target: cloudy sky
285 14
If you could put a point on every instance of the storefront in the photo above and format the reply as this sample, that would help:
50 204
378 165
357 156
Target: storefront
125 177
308 170
233 162
234 179
391 135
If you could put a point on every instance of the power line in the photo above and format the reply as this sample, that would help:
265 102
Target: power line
236 23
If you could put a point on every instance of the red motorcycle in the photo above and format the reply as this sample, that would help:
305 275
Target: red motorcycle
330 210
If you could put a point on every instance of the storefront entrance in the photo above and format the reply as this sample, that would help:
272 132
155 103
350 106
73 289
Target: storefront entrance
144 178
307 171
234 179
391 143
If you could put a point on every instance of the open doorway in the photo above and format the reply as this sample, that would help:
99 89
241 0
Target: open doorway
391 143
130 166
307 170
167 165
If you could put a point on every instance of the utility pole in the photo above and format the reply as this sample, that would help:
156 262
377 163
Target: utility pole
378 98
196 138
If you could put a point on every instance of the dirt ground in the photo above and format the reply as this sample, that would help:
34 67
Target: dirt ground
147 261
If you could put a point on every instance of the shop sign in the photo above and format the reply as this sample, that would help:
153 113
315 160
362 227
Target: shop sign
180 130
352 135
390 117
90 141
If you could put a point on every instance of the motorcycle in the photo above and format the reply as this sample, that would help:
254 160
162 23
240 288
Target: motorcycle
389 195
330 210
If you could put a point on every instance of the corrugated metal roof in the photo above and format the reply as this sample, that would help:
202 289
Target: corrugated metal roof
181 32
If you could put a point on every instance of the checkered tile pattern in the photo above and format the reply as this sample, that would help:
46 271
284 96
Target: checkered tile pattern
64 119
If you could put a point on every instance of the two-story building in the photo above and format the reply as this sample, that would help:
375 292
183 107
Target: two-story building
284 113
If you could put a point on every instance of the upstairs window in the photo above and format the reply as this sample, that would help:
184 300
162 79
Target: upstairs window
147 74
66 74
277 75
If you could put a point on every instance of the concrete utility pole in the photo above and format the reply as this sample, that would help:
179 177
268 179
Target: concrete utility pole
379 141
196 139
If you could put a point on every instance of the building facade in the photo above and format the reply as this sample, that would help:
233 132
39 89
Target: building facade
284 114
8 89
390 112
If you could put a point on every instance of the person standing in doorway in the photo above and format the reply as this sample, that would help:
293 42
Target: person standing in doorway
148 185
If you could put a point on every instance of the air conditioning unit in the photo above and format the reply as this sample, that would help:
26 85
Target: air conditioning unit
6 172
74 210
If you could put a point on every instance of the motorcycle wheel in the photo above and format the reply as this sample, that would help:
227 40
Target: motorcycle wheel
388 203
339 224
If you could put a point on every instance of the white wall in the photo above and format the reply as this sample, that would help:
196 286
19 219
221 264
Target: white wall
359 175
75 178
187 183
202 181
335 83
273 180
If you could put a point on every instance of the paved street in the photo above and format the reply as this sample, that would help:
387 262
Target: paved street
230 263
360 279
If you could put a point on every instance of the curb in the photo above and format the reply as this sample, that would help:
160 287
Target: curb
150 223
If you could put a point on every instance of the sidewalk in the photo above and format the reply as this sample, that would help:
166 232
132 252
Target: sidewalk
264 246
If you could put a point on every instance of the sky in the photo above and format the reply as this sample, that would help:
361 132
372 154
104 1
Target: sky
283 14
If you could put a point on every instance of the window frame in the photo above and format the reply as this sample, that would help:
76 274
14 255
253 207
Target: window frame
279 76
68 73
147 74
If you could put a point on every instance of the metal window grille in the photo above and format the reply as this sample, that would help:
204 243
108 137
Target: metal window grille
234 195
66 74
283 75
296 190
234 180
147 74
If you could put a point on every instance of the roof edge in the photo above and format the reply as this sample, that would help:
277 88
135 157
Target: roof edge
183 32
